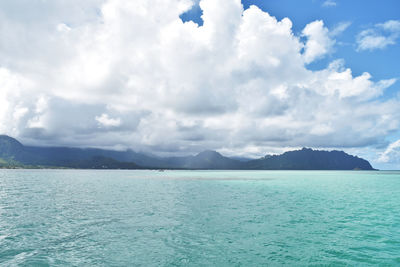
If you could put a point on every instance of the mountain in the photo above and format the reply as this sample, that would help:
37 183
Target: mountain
100 162
205 160
15 154
9 147
242 159
308 159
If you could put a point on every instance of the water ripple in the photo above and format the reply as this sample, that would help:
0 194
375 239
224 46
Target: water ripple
182 218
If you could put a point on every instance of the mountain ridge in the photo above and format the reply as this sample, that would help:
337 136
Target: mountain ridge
13 153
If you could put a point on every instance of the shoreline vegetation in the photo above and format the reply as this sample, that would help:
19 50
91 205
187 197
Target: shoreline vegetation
161 170
14 155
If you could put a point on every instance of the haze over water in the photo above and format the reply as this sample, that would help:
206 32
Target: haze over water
192 218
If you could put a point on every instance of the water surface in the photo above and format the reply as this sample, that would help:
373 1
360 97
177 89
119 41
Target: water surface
198 218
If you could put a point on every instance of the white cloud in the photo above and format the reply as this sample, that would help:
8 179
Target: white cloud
106 121
318 42
329 3
340 28
392 153
379 37
390 25
239 83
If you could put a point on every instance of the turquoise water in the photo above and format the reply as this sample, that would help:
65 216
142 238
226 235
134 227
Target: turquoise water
198 218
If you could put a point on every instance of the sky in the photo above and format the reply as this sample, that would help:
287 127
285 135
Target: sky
176 77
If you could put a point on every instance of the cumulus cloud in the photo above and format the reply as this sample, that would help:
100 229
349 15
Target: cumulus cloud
379 37
132 74
318 42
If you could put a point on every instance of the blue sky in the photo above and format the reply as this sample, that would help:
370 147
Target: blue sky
248 82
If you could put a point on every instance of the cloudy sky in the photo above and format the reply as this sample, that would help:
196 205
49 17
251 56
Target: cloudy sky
175 77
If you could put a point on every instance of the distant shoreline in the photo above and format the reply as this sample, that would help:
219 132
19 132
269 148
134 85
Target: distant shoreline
158 170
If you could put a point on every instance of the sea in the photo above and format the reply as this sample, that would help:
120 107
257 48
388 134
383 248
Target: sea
199 218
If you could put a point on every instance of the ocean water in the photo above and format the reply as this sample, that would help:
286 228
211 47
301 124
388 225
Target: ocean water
199 218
